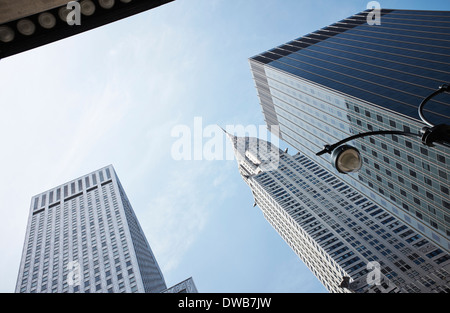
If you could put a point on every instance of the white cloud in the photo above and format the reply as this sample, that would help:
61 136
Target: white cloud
176 217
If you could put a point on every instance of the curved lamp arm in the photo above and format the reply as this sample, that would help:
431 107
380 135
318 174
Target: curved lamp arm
443 88
330 148
439 134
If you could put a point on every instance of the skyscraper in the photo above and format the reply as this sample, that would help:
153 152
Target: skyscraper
345 239
354 77
84 236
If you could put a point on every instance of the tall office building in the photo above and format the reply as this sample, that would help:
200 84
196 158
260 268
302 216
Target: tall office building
345 239
354 77
84 236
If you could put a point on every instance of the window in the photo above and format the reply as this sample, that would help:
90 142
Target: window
432 210
440 158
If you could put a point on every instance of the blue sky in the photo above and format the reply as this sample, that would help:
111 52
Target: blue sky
113 96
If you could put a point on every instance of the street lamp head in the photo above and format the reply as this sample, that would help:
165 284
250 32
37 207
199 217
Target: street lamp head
346 159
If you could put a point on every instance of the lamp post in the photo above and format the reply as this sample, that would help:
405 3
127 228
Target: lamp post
347 159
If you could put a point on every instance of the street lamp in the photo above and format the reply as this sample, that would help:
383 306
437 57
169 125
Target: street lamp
347 159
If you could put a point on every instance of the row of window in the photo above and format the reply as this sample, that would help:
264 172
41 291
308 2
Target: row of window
71 189
87 227
314 228
433 163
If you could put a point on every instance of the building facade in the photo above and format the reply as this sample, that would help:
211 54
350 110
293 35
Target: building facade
84 236
186 286
352 77
349 242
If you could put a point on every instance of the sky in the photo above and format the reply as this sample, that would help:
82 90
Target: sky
115 95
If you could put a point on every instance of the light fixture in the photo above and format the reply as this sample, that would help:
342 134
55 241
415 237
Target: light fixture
26 27
6 34
63 13
106 4
47 20
346 159
87 7
125 1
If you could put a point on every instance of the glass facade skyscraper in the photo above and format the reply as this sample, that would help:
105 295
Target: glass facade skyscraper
334 229
352 77
83 237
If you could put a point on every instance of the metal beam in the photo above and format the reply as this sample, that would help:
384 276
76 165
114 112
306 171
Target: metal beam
11 10
14 41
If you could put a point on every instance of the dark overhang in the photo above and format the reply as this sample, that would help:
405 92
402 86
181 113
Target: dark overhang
26 24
